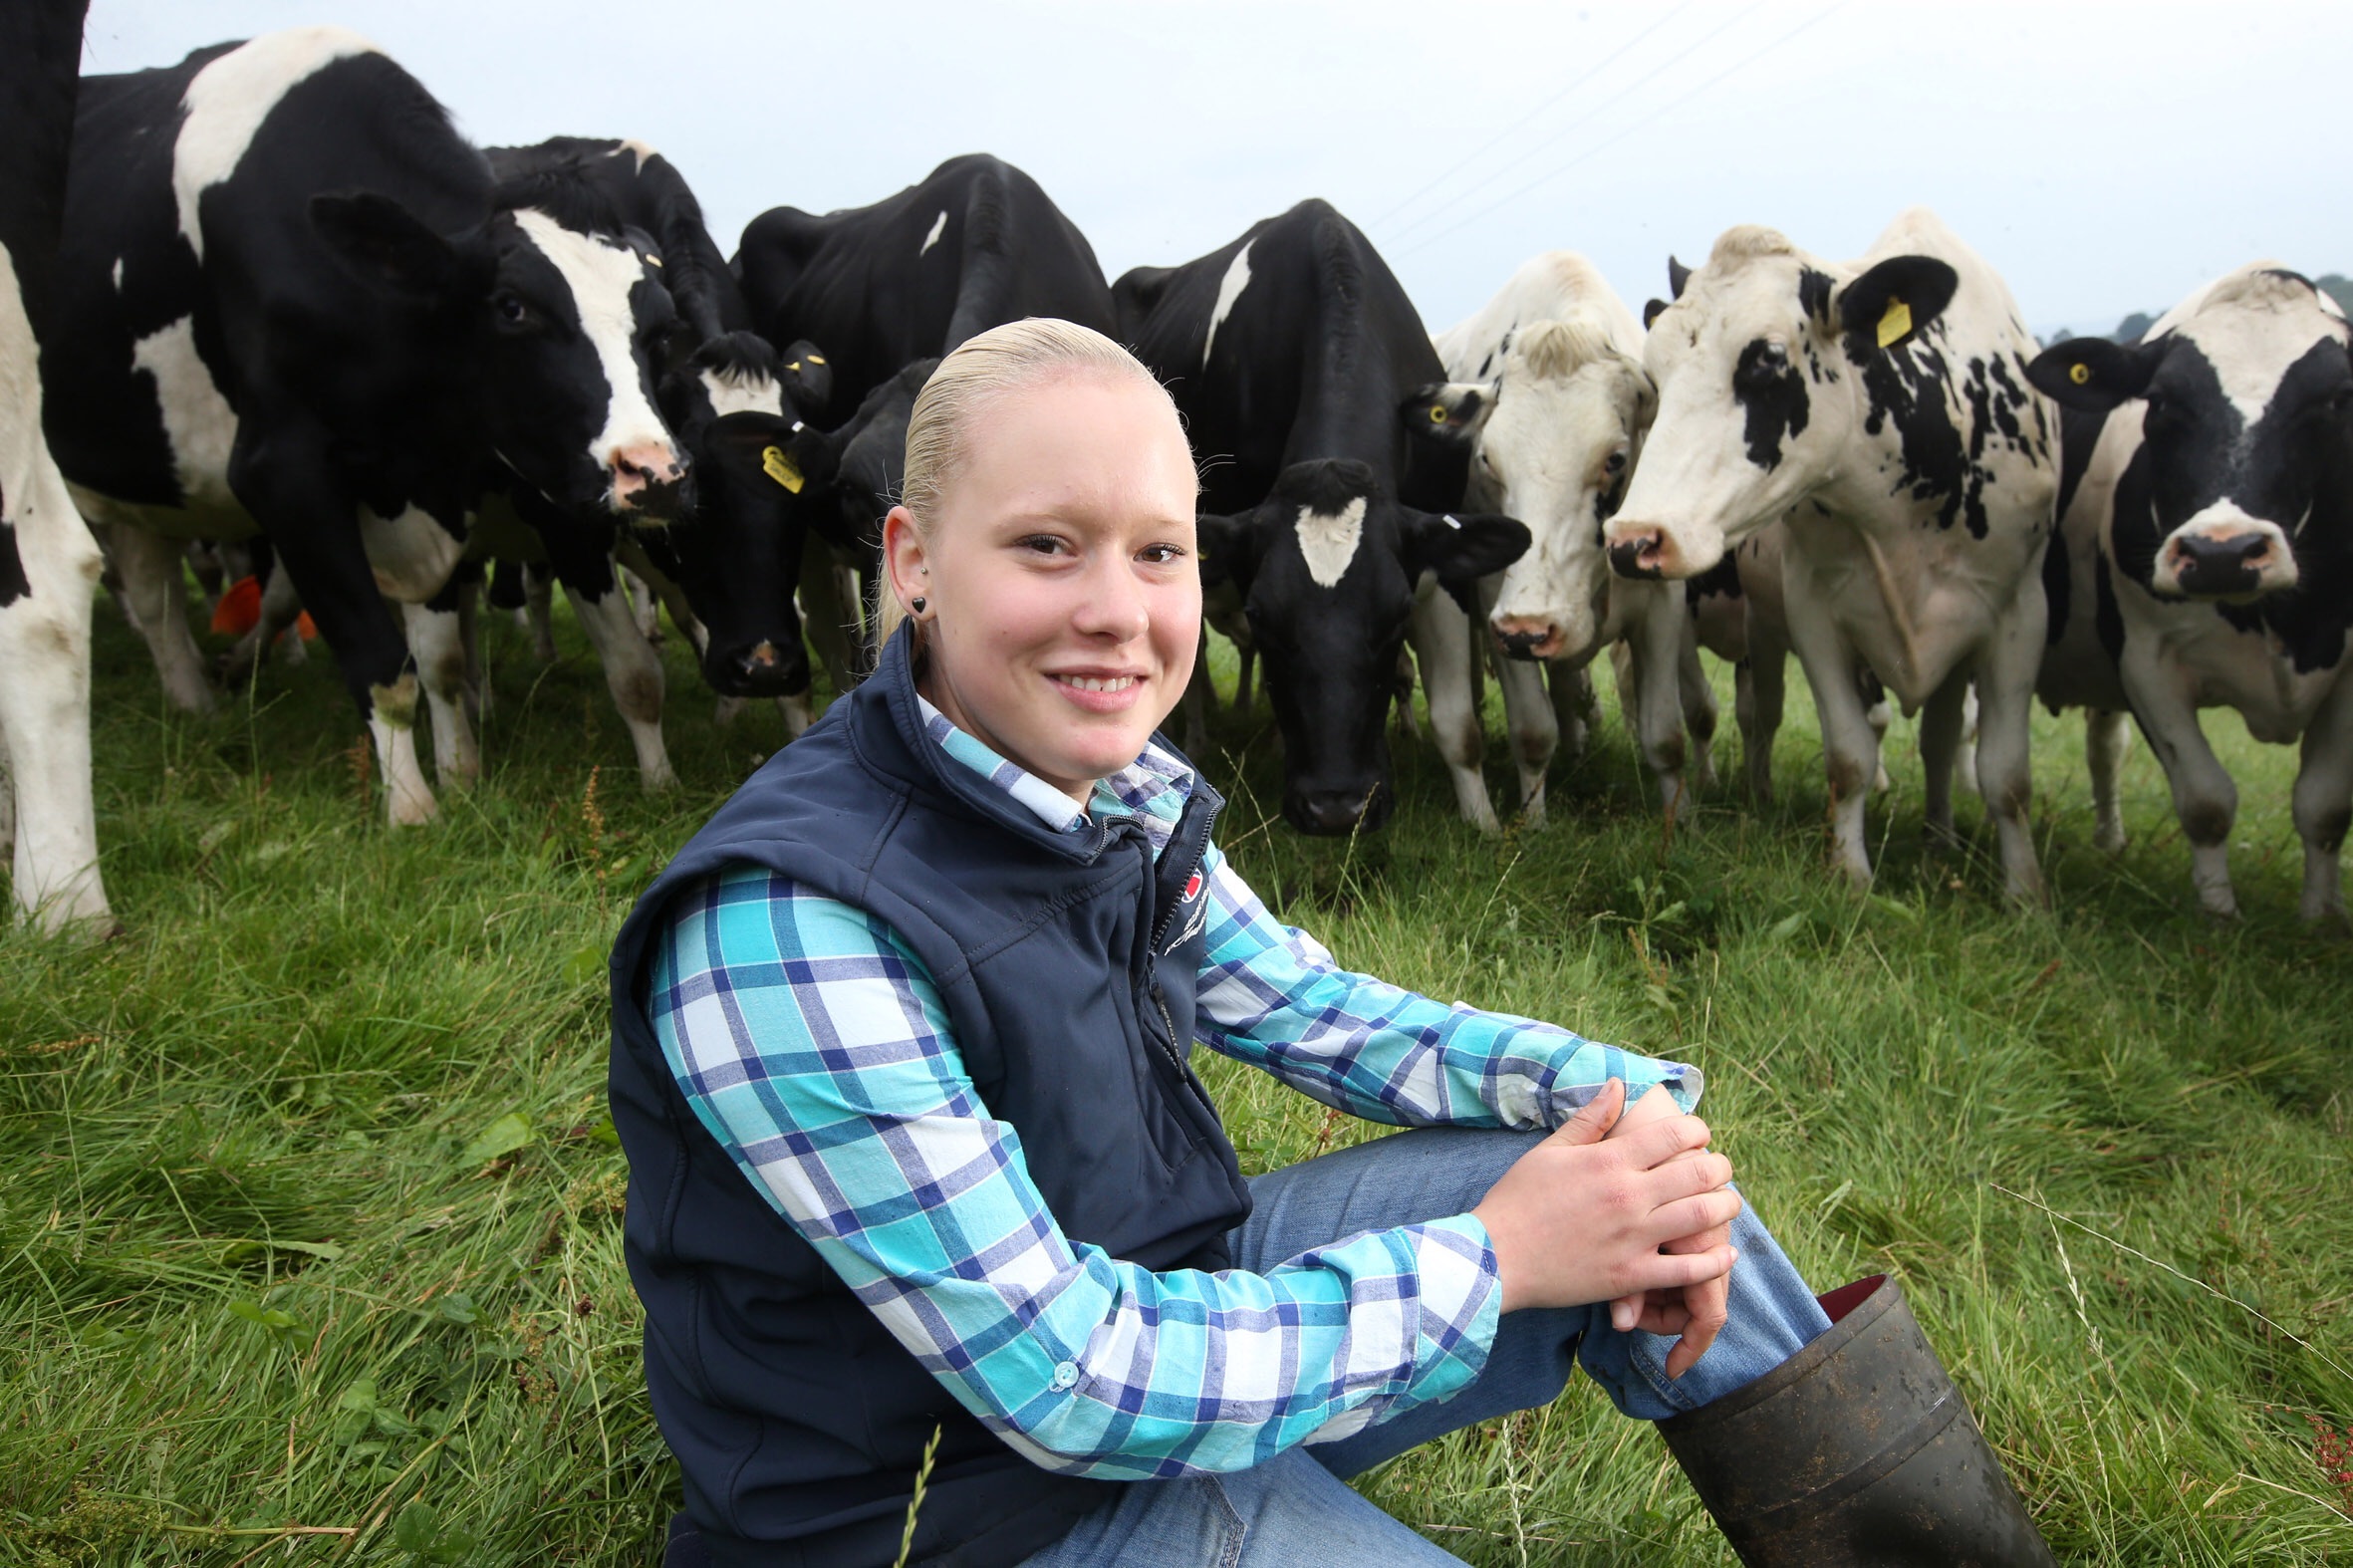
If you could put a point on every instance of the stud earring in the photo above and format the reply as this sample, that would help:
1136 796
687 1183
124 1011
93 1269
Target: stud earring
917 606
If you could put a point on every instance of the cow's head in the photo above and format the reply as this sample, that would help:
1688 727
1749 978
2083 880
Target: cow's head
1327 566
1553 441
564 312
1758 363
2247 435
737 556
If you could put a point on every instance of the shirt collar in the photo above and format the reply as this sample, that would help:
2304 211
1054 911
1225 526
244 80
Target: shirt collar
1156 785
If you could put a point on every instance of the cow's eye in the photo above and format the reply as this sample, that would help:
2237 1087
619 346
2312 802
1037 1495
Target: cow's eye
510 308
2341 399
1615 462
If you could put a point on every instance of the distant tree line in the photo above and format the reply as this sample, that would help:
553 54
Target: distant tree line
2334 284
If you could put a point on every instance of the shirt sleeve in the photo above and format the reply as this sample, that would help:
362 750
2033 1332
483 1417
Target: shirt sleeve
812 1043
1270 995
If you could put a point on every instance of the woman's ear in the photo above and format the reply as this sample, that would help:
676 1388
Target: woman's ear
904 556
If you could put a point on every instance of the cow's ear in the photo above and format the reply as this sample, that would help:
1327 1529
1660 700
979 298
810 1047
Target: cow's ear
1461 548
1896 298
384 243
808 378
2093 374
1228 549
1651 313
1448 414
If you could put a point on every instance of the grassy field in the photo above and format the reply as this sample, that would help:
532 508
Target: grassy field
311 1232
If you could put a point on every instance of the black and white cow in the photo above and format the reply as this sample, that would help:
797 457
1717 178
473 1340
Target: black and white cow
289 303
49 564
729 568
1288 352
1882 408
1549 396
2209 539
976 244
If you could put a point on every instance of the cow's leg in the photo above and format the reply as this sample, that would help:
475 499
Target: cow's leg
1939 741
2006 726
1246 665
281 608
2205 801
1200 693
1765 676
832 613
436 639
1652 706
666 589
1442 649
2106 738
642 610
48 826
1850 743
2323 801
1964 757
583 562
1575 708
1698 706
538 611
155 589
1883 717
287 481
1405 681
1533 727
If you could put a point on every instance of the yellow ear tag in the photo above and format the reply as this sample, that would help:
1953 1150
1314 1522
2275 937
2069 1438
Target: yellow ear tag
816 359
1895 324
2080 374
652 260
1437 413
780 468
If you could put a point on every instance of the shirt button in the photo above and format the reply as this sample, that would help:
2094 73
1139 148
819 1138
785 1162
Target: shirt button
1066 1375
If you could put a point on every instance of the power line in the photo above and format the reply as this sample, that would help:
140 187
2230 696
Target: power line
1509 131
1623 94
1664 108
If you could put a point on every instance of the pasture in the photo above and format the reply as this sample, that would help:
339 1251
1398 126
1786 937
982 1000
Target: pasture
311 1227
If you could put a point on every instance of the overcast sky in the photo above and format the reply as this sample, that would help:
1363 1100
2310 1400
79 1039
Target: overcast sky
2105 158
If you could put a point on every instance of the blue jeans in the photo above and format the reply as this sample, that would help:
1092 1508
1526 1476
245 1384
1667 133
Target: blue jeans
1296 1508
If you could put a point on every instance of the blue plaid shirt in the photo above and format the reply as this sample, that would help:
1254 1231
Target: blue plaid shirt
810 1042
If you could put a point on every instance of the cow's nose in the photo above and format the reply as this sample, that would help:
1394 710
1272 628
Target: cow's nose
2221 566
765 669
1527 636
1333 811
648 478
1640 551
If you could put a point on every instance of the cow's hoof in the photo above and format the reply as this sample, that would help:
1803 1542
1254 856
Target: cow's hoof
2110 841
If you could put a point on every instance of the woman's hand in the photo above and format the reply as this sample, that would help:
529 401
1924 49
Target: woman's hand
1585 1217
1696 1312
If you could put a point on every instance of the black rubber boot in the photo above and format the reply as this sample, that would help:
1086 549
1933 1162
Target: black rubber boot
1856 1450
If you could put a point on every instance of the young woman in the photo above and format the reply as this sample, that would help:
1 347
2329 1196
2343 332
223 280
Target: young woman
920 1176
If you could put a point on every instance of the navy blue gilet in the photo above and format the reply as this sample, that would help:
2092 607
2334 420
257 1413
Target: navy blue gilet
798 1422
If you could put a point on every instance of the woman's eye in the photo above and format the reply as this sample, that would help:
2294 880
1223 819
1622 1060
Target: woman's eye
1160 555
1043 544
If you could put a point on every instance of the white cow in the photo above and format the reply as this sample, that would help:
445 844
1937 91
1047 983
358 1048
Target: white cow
1548 393
1882 408
2209 556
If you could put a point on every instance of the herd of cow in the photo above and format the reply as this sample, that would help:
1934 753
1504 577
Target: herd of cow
278 299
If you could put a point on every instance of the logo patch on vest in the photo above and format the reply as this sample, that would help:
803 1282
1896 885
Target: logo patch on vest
1192 887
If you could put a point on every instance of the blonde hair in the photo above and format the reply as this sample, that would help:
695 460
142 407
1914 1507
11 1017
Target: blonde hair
978 370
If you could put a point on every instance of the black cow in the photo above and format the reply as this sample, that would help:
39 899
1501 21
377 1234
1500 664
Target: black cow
1288 352
288 301
976 245
48 561
2205 555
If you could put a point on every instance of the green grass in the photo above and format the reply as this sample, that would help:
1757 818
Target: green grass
267 1263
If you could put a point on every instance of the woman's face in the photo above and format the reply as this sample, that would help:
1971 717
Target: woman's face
1062 597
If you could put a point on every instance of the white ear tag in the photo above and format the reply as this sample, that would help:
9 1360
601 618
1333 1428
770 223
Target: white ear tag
1451 522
